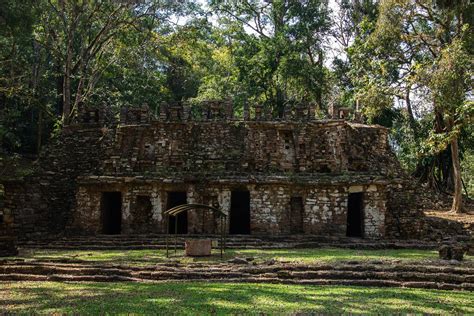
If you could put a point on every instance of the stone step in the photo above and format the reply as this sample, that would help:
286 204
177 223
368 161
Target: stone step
263 279
62 278
357 266
400 273
161 244
293 240
271 240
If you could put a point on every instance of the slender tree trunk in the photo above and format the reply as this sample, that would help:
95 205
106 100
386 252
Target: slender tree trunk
280 101
67 87
457 199
279 10
40 132
411 116
35 78
319 92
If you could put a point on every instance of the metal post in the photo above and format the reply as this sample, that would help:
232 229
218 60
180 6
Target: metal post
222 240
167 219
175 233
225 233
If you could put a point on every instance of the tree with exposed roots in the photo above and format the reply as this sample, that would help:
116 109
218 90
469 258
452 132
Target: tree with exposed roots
421 49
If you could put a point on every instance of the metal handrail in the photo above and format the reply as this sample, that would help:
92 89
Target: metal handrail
174 211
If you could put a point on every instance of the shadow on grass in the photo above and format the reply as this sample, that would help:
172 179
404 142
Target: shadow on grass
224 298
334 254
149 256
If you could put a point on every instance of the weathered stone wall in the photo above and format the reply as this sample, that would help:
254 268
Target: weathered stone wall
7 236
405 217
375 200
325 206
243 147
41 202
326 210
7 222
24 204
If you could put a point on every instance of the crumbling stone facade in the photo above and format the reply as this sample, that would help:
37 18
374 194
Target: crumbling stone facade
296 175
7 236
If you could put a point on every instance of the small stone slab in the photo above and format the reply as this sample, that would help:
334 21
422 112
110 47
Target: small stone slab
451 252
198 247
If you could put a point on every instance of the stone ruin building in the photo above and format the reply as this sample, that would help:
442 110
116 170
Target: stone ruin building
295 175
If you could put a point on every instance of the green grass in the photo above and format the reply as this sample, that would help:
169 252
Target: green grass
295 255
335 254
199 298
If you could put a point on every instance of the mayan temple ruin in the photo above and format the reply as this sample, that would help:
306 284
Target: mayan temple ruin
295 175
238 157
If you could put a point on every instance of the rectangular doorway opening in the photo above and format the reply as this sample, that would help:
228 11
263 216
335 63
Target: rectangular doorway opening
355 215
296 215
175 199
111 209
239 213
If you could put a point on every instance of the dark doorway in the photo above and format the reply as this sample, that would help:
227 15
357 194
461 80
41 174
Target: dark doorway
239 212
355 215
175 199
296 215
111 206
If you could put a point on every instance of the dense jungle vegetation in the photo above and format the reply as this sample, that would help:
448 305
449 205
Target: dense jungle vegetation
405 64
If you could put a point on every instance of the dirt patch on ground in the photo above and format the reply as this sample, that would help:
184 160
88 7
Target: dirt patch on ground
442 225
466 218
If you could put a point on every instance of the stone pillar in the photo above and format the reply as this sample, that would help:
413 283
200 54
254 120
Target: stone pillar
157 210
223 199
127 197
258 112
374 212
87 210
186 112
163 111
266 206
229 109
300 112
311 111
246 111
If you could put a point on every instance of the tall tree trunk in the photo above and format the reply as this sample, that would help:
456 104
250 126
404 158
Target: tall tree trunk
411 116
319 92
457 198
278 12
280 102
67 87
40 132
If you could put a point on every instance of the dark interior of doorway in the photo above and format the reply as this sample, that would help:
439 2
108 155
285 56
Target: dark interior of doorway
111 208
239 213
175 199
296 215
355 215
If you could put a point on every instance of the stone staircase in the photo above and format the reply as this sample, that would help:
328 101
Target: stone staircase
432 275
152 241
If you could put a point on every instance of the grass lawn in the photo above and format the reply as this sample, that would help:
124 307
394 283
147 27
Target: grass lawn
200 298
144 257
